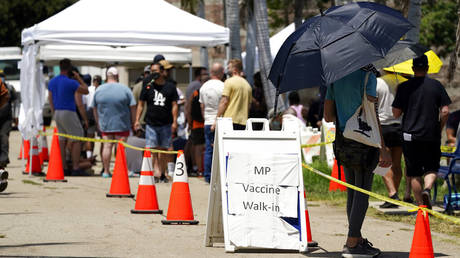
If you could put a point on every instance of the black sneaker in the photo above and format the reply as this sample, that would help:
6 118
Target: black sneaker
3 180
370 246
79 172
359 251
426 198
389 205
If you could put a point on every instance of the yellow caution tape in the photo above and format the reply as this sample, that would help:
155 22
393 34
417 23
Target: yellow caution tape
384 198
448 149
315 144
86 139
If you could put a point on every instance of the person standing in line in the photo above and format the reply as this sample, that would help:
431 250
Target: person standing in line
210 94
92 125
195 144
300 110
114 109
423 104
452 128
236 97
343 98
161 117
392 135
61 98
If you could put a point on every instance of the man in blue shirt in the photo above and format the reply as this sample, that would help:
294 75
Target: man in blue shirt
114 109
61 97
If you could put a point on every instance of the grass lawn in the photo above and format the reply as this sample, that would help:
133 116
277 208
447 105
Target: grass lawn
317 189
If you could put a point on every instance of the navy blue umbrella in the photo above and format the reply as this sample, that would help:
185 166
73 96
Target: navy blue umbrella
336 43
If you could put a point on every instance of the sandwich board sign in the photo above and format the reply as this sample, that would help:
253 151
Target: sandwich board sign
256 198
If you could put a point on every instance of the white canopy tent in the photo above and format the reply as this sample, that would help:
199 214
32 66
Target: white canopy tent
126 23
116 23
89 54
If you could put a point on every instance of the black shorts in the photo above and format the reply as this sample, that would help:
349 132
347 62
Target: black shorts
421 157
197 136
392 135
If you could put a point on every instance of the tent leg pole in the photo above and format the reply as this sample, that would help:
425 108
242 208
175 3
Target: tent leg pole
276 102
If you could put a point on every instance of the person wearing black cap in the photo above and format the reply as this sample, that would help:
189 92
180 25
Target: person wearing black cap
158 58
423 103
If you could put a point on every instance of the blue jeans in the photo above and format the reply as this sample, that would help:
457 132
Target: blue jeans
158 136
209 141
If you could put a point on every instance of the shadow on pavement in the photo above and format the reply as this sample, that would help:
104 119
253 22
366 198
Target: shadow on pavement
42 244
382 255
18 213
37 256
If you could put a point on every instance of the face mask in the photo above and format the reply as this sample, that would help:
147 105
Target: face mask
155 75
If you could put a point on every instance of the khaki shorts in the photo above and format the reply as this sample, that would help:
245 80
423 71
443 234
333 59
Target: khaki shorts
67 122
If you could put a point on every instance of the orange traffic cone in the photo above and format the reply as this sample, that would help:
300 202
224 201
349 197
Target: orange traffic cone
35 160
55 170
310 241
180 209
333 186
21 150
422 245
44 150
146 201
120 181
25 148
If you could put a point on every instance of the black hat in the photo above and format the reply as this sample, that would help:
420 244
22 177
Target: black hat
158 58
421 61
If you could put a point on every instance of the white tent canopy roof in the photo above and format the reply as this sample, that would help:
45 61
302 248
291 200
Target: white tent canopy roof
126 23
135 54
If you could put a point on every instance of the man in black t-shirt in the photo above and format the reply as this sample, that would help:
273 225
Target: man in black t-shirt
161 117
421 100
452 128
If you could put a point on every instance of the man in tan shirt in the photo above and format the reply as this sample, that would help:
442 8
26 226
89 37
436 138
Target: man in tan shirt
236 96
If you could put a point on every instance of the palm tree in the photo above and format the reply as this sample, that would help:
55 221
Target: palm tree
263 45
298 12
250 43
414 15
454 56
233 23
203 50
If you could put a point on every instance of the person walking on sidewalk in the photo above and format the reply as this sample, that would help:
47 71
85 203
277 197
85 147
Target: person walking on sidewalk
61 98
343 98
114 109
423 103
161 117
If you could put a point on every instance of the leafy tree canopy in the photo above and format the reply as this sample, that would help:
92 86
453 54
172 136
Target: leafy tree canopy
20 14
438 26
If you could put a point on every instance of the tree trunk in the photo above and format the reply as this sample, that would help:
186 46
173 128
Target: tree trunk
263 45
414 16
454 55
250 45
298 12
203 50
233 23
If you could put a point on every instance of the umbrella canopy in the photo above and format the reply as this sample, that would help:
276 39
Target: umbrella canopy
403 50
330 46
434 63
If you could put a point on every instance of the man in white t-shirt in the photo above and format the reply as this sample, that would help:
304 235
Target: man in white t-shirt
210 94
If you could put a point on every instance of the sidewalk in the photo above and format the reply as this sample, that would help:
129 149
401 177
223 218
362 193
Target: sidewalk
75 219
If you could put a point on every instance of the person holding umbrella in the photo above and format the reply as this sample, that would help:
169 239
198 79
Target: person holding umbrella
329 50
343 98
